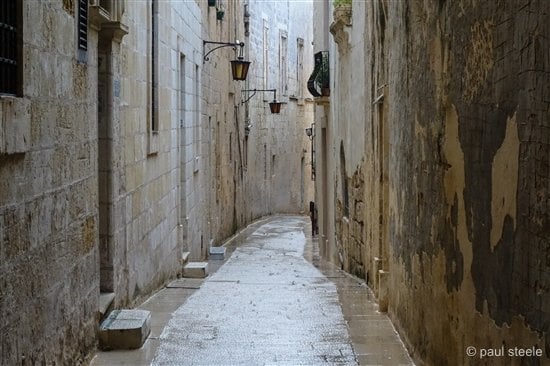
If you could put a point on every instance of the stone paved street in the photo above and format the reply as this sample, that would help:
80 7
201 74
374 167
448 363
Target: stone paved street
272 302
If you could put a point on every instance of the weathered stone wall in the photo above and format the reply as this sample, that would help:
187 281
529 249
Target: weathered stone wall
278 151
259 162
222 127
111 168
159 164
440 176
49 282
469 175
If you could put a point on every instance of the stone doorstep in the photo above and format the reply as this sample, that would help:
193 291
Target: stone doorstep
217 253
125 329
195 270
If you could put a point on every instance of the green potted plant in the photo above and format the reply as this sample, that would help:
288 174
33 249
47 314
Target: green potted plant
220 13
342 11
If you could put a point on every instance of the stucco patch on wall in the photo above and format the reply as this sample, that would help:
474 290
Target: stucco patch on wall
505 181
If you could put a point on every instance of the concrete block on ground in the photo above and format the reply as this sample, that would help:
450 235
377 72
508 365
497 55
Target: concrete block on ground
125 329
217 253
195 270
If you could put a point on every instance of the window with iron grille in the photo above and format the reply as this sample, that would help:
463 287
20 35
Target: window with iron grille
82 25
154 66
10 47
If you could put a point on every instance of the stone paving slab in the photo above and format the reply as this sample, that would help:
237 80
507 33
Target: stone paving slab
277 309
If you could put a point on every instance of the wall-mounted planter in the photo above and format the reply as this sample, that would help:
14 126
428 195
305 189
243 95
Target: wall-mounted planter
342 13
342 21
220 14
211 2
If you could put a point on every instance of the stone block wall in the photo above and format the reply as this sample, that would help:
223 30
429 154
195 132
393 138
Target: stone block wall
259 163
222 127
278 151
160 187
49 281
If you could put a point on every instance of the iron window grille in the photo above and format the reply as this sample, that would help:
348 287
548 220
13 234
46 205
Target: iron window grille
82 25
10 47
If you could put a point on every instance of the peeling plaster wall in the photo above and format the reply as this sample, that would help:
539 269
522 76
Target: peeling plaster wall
469 173
49 278
453 170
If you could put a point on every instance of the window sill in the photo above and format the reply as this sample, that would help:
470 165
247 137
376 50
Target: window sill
153 144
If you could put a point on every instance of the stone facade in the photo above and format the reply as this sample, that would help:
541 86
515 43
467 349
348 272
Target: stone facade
116 161
258 161
49 283
434 179
278 150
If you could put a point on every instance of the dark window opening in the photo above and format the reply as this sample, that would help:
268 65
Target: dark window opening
344 181
10 47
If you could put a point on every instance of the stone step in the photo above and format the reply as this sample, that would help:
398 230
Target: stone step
195 270
105 301
125 329
217 253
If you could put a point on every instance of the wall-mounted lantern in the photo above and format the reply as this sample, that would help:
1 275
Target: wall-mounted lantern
309 133
274 106
239 67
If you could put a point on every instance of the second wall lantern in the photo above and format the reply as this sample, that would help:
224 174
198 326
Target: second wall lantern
274 106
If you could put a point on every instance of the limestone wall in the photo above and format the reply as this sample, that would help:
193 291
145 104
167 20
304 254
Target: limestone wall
279 152
438 172
160 186
49 282
259 163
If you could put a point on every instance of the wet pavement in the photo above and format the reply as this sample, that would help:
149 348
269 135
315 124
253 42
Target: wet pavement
272 302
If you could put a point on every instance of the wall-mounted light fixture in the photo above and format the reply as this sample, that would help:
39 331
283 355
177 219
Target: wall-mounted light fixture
309 133
274 106
239 67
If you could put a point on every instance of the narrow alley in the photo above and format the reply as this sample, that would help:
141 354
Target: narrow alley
273 302
250 182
